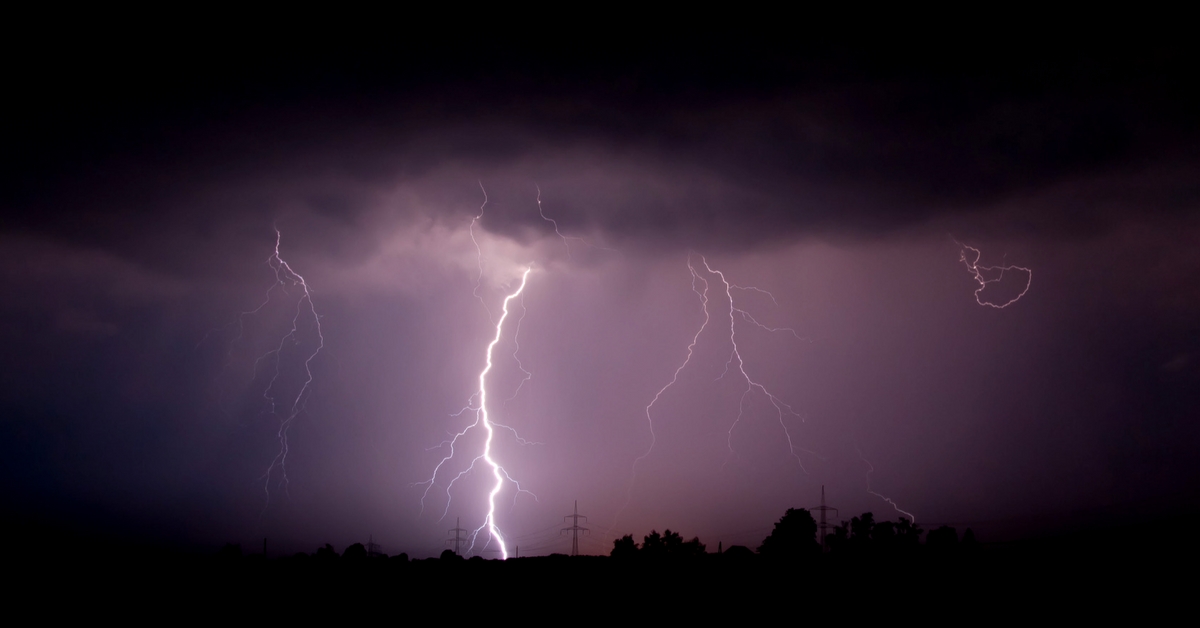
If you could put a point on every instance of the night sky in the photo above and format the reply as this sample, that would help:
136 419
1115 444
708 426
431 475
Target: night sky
144 176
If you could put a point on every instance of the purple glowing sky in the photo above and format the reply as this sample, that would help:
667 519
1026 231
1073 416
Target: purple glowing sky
842 185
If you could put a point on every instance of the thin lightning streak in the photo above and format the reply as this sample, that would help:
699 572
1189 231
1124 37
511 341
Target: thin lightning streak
517 349
284 274
751 385
675 377
755 289
750 319
703 294
479 253
978 272
516 436
565 238
871 469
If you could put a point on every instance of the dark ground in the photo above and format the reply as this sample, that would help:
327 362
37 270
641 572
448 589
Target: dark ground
1142 570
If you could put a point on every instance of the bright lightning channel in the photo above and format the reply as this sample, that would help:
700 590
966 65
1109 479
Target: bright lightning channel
997 273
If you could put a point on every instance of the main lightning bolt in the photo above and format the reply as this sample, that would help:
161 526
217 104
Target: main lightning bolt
481 419
997 273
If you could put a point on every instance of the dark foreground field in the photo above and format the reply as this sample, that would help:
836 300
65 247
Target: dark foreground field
1068 578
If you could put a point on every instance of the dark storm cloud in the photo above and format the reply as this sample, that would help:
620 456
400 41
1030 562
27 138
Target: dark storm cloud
724 142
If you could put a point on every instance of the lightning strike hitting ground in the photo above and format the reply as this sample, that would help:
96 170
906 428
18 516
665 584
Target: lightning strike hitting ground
997 273
285 275
483 420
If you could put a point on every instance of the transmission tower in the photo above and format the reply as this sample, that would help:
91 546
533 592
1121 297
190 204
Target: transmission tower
823 526
458 535
575 529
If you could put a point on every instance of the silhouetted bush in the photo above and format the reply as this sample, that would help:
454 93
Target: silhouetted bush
624 548
355 552
794 536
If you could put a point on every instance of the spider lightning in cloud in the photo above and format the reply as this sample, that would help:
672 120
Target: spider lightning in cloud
987 275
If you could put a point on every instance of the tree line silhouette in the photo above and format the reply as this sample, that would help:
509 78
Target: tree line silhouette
795 537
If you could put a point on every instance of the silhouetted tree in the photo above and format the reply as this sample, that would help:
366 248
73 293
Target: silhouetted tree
669 545
908 533
692 548
969 544
624 548
326 553
883 537
658 546
794 536
861 530
449 555
839 541
355 552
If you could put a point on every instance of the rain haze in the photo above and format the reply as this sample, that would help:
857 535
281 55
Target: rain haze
757 266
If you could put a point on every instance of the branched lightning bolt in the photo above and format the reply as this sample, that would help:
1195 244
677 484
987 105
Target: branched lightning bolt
284 275
482 419
751 385
703 294
754 289
998 271
871 469
780 406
